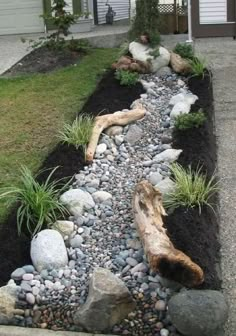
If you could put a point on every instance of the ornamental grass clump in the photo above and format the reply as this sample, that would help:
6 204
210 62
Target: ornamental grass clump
188 121
198 66
192 188
39 203
79 132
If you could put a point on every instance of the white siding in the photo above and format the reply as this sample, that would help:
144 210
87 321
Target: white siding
212 11
21 16
121 7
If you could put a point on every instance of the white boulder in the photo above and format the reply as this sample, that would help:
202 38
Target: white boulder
77 200
188 98
101 196
180 108
48 250
168 155
101 148
143 53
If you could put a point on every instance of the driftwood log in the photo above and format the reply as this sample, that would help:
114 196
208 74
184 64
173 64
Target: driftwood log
103 122
161 253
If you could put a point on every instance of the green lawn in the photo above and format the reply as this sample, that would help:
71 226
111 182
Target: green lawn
34 108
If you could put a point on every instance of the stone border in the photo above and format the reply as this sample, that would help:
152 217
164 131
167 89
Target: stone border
20 331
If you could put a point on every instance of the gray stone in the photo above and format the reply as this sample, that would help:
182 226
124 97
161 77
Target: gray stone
119 139
101 148
166 186
134 134
18 274
29 268
169 155
64 227
76 241
77 200
101 196
48 250
114 130
109 301
30 298
155 178
198 312
164 332
165 71
131 261
25 286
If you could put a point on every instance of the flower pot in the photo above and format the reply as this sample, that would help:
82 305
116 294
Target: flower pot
82 26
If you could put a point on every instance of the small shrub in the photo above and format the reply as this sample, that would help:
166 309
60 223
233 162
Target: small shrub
192 188
78 133
198 66
126 78
185 50
191 120
82 45
39 203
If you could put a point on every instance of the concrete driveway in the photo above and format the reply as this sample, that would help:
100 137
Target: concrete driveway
12 49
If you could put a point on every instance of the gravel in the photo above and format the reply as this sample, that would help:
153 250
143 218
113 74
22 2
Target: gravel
105 234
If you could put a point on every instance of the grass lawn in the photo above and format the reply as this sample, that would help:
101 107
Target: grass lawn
34 108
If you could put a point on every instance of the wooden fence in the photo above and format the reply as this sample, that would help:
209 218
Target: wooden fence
174 18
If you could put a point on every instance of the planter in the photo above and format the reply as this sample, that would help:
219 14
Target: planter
82 26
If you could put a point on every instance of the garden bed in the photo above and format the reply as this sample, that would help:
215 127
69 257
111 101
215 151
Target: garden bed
111 97
193 233
44 60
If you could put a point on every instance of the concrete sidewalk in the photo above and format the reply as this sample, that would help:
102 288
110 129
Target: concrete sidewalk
221 53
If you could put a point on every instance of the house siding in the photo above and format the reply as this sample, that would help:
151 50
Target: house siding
213 18
121 7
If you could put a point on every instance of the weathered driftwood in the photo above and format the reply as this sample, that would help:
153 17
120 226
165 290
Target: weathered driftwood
103 122
179 64
161 253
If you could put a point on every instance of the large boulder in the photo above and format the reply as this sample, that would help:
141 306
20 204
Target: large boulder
8 297
77 200
109 301
198 312
48 250
143 53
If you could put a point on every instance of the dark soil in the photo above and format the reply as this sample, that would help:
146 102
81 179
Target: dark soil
43 60
108 97
195 234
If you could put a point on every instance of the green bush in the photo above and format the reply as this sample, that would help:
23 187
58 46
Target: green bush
192 188
185 50
78 133
127 78
146 22
199 66
191 120
39 203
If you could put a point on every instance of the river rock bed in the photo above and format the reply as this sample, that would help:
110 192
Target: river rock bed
104 235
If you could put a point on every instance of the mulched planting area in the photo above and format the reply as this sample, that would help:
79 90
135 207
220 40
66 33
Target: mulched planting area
43 60
193 233
111 97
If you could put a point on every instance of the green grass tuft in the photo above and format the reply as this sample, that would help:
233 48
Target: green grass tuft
79 132
39 203
190 120
192 188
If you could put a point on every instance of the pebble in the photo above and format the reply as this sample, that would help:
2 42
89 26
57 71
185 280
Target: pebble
18 274
27 276
105 235
30 298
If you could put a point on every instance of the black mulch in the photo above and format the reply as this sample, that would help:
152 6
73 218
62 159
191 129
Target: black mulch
43 60
195 234
109 97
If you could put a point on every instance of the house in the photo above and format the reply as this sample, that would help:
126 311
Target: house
212 18
24 16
